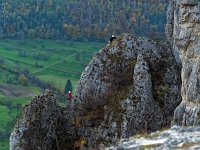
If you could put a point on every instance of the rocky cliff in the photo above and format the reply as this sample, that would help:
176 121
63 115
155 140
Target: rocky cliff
183 30
44 126
131 86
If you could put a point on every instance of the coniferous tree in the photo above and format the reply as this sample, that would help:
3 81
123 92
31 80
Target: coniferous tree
68 87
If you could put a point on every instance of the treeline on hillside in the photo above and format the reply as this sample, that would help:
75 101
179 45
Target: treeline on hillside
20 76
80 19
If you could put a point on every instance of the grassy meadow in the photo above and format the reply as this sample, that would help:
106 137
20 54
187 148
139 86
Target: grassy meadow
62 59
51 61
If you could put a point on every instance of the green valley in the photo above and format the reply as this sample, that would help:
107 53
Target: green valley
50 61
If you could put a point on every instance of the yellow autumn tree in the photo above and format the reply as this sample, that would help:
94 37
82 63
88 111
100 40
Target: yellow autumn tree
23 80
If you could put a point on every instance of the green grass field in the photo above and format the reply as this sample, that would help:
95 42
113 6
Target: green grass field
7 121
66 59
62 60
4 145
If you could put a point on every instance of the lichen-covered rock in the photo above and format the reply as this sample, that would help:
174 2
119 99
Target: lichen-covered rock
130 86
174 138
34 129
170 31
43 126
184 30
144 113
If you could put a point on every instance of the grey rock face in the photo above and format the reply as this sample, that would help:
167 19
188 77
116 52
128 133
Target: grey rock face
36 123
170 30
184 31
43 126
130 86
142 112
174 138
134 83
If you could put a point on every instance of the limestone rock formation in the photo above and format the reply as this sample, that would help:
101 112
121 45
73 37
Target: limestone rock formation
130 86
174 138
35 128
43 126
183 29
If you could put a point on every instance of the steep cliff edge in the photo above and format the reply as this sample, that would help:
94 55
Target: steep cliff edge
183 30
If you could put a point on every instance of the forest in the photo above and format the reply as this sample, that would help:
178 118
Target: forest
81 20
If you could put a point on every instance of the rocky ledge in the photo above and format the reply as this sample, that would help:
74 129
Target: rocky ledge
174 138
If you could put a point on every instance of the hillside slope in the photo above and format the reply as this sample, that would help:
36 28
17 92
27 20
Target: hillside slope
43 62
80 20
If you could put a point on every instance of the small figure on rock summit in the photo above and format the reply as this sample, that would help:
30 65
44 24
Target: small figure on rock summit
112 38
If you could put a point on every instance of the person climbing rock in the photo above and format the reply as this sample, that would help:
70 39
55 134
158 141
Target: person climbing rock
112 38
69 95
